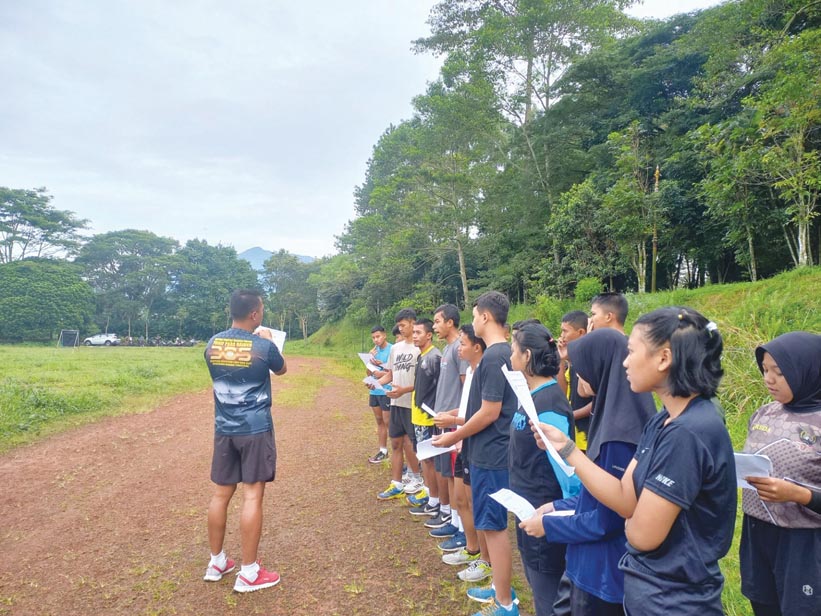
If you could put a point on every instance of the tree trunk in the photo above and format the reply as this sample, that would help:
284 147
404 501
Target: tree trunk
751 248
641 266
654 264
790 245
804 255
463 272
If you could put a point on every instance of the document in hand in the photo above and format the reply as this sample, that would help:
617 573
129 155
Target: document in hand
428 410
425 449
515 503
278 337
366 359
751 465
519 385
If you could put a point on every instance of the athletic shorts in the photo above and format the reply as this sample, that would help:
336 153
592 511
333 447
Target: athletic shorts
460 470
487 513
781 566
421 433
248 458
382 402
400 423
444 463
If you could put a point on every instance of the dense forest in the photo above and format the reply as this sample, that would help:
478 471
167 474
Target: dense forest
562 142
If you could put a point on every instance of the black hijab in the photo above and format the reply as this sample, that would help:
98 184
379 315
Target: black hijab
798 357
619 414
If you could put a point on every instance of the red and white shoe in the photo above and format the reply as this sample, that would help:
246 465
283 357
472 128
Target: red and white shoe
265 579
214 573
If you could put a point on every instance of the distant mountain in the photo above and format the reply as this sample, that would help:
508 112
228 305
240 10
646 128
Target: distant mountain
257 257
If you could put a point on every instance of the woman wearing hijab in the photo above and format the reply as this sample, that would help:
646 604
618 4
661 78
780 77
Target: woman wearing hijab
595 534
781 535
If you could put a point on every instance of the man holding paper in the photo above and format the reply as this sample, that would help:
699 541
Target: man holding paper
378 400
491 405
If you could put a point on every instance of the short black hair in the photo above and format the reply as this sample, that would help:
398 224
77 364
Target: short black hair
577 318
544 355
520 324
468 330
613 302
377 328
244 302
426 323
406 314
449 313
495 303
695 345
395 330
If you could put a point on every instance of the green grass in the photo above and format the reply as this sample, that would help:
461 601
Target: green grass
45 390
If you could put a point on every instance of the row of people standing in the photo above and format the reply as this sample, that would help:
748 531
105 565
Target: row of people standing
670 475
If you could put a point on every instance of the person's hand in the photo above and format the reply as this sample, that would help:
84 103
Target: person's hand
556 437
546 508
773 490
445 440
561 346
393 394
264 332
444 420
376 362
370 386
533 525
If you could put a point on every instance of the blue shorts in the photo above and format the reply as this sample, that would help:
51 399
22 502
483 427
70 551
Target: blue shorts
487 513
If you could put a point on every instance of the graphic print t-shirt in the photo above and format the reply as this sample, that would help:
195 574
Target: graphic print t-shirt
239 363
402 364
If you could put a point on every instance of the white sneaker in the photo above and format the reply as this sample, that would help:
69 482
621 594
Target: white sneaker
462 557
413 486
477 571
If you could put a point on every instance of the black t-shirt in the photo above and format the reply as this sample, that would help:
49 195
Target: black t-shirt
531 474
690 463
488 448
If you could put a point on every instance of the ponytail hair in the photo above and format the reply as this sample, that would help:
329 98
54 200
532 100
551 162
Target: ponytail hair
544 355
695 345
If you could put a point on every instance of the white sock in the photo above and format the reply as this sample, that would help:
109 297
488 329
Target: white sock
433 501
509 608
445 509
397 484
219 560
383 449
455 519
250 572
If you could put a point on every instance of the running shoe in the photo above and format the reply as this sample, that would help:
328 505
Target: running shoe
214 573
462 557
487 594
439 521
264 579
476 571
420 510
443 532
414 486
495 609
393 491
454 544
379 456
420 498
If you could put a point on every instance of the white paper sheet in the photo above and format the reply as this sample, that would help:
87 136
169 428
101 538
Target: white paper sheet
519 385
366 359
369 380
514 503
278 336
751 465
425 449
428 410
560 514
463 401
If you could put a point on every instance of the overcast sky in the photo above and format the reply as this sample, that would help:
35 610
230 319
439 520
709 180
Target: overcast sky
245 123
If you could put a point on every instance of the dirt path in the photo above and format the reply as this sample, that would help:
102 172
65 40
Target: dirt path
110 519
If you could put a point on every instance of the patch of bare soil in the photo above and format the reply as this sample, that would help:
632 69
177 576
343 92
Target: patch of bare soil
111 519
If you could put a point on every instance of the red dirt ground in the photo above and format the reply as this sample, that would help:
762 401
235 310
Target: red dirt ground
110 519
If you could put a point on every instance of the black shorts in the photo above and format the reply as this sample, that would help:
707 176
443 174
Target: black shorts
382 402
461 470
781 566
444 463
244 459
400 423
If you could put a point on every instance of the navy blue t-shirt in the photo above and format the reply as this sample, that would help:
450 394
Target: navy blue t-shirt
488 448
690 463
239 363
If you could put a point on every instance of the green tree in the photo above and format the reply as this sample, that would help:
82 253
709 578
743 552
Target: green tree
30 226
39 297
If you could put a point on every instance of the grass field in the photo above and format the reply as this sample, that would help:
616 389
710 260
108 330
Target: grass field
45 390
